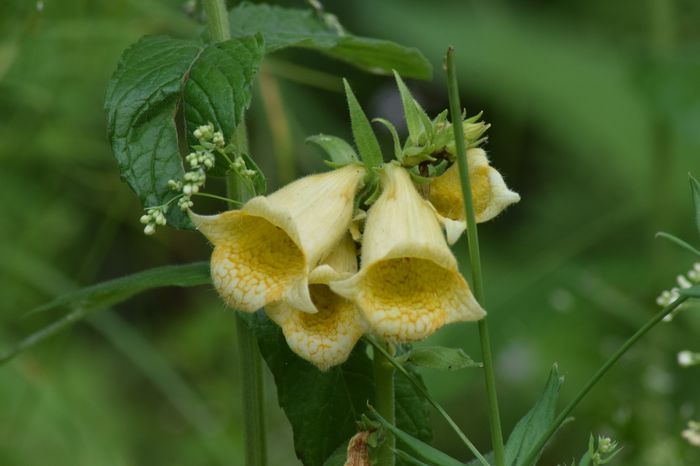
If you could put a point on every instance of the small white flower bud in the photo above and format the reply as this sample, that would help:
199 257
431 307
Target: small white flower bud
149 229
688 358
683 282
145 218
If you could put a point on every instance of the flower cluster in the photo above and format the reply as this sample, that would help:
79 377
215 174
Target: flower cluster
294 252
692 433
668 297
603 451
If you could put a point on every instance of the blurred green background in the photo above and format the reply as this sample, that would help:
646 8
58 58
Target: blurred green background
595 107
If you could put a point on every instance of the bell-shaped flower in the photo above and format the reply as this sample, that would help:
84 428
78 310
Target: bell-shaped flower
490 194
265 251
408 285
327 337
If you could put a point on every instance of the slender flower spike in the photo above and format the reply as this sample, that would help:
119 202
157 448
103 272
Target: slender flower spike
265 251
327 337
408 285
489 192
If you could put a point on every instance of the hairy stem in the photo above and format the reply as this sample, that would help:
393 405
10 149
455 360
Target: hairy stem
475 258
384 389
217 20
598 375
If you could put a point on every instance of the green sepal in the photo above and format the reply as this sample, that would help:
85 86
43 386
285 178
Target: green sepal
438 357
410 111
398 153
340 152
419 179
365 139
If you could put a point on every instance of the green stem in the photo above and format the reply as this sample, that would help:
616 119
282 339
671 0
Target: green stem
248 350
253 402
384 390
475 258
217 20
598 375
378 347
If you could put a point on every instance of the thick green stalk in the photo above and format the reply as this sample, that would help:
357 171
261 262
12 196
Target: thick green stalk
598 375
248 350
217 20
384 390
475 258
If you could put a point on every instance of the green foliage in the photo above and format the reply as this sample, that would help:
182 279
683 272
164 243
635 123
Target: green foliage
340 152
287 27
109 293
414 118
419 449
439 357
322 407
693 291
678 242
534 424
412 409
365 139
157 78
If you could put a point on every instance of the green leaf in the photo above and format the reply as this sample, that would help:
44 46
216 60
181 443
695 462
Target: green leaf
109 293
528 430
678 242
365 139
338 150
288 27
405 458
414 121
412 409
421 450
693 291
439 357
155 80
322 407
695 189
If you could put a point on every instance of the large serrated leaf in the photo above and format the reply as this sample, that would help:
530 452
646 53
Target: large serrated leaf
412 410
322 407
288 27
152 83
528 430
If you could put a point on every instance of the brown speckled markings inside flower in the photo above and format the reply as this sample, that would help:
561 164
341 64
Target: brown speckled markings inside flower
265 251
409 284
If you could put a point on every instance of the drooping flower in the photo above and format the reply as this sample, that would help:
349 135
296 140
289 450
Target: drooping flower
265 251
327 337
409 284
490 194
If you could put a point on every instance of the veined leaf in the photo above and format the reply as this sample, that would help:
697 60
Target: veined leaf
111 292
365 139
528 430
322 407
157 78
439 357
288 27
412 409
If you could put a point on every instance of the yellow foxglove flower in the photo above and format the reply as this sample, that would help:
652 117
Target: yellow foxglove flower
489 192
265 251
408 285
327 337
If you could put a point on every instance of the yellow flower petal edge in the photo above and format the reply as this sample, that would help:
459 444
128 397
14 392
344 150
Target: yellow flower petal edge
489 192
409 284
265 251
326 338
